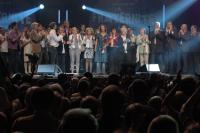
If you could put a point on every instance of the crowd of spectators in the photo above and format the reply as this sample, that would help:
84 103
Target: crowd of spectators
151 103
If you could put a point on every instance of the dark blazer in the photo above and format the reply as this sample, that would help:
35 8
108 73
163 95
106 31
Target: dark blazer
126 58
171 40
160 40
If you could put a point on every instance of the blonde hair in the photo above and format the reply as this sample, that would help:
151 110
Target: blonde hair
89 29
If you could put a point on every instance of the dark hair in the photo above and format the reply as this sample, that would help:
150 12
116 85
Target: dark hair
52 25
163 124
112 100
42 99
77 121
12 25
113 79
91 103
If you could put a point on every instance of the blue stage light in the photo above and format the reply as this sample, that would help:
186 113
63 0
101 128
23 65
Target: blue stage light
41 6
84 7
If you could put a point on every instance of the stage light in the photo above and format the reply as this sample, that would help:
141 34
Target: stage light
84 7
41 6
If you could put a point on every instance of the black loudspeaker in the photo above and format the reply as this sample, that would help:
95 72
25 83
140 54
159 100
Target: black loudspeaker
149 68
49 70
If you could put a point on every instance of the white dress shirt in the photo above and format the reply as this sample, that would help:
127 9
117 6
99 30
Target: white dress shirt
54 39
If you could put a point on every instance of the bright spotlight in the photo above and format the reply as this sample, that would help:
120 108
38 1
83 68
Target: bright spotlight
83 7
41 6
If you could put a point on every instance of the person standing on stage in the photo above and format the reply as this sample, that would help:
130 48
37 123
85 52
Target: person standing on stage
133 47
3 46
75 42
101 55
13 47
26 46
143 47
112 52
184 37
66 26
171 37
157 39
53 40
36 37
61 49
89 42
124 54
195 50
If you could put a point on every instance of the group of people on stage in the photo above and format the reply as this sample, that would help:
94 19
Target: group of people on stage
101 51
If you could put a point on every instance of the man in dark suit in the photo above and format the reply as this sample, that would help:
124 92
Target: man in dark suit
172 49
157 46
42 120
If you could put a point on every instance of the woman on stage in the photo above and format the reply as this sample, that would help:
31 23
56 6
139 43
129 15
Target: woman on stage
143 47
75 42
112 52
101 50
89 41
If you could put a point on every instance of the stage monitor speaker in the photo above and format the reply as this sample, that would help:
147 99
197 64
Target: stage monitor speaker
149 68
48 70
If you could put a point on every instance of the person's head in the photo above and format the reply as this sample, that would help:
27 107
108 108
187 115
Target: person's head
163 124
157 25
42 99
91 103
61 30
142 31
14 26
124 30
22 92
28 95
188 85
184 27
139 116
84 87
169 25
34 26
78 121
88 75
102 28
112 100
194 30
156 103
26 28
66 24
178 100
82 27
53 25
114 31
89 31
139 91
74 30
113 79
57 89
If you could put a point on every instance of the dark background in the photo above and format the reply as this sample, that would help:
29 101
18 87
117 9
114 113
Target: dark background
77 16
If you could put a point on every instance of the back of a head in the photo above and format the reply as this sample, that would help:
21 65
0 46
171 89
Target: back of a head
163 124
112 99
84 87
113 79
188 85
42 99
91 103
139 91
78 121
156 103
